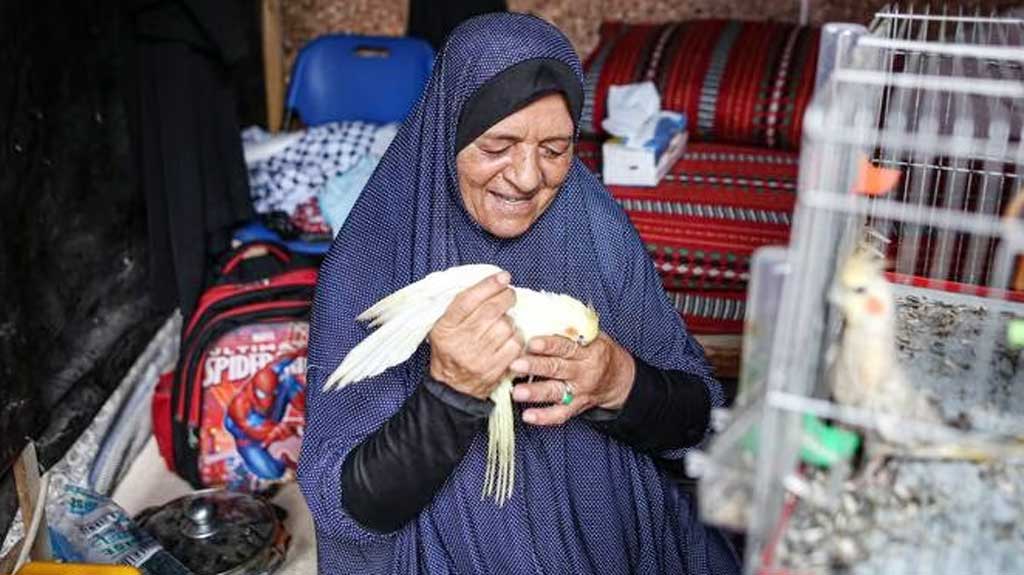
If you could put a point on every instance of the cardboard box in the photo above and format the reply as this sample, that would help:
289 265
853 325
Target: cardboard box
624 166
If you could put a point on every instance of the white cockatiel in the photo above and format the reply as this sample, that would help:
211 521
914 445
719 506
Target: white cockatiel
865 373
404 319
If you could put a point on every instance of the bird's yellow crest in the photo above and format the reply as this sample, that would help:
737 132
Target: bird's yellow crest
860 267
861 291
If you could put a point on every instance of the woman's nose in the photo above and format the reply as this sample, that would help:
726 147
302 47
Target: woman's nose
524 172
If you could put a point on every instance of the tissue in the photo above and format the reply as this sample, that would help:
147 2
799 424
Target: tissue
657 132
647 141
630 106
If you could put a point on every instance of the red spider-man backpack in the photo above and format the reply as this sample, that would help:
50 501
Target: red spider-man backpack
232 412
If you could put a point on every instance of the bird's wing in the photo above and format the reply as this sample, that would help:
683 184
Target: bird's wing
842 373
402 320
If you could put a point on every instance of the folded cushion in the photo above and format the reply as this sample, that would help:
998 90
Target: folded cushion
741 82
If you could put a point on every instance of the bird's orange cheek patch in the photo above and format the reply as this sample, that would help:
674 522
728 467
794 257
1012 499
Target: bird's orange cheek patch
875 306
572 333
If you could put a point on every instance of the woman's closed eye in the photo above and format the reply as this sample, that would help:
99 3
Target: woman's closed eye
554 151
495 150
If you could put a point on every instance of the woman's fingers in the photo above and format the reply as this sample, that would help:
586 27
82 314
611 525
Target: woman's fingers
508 351
545 391
473 343
495 336
544 366
469 300
600 374
553 415
553 345
492 309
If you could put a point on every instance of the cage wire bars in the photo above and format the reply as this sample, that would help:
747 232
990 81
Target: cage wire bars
931 98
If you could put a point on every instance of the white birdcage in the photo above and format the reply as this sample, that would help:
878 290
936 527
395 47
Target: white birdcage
915 135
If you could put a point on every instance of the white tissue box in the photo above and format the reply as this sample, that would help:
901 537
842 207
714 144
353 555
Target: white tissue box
625 166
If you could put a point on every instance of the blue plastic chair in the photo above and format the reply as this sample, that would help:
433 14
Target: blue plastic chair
255 231
369 78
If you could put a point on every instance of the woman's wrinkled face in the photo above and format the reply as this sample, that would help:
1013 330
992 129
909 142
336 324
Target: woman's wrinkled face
510 174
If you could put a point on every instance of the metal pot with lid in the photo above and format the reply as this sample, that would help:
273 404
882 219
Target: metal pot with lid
218 532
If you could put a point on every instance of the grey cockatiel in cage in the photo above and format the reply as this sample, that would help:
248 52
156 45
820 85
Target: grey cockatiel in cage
865 373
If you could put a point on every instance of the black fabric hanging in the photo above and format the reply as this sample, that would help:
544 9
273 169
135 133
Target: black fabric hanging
432 20
75 312
189 152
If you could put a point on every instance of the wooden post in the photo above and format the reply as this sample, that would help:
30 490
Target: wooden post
26 479
26 482
723 353
273 63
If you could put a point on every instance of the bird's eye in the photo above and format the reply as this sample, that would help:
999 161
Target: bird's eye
580 338
860 290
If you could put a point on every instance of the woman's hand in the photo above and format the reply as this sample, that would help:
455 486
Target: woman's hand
474 342
599 375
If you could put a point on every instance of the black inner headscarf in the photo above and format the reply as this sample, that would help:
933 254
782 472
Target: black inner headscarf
512 90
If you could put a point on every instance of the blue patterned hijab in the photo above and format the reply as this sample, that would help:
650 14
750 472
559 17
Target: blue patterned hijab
583 502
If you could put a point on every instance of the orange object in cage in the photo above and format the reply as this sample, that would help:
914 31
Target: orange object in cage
873 180
1012 212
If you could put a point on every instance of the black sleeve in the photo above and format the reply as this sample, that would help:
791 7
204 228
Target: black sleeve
666 409
395 472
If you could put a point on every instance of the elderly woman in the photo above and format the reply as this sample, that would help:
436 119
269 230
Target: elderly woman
392 468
